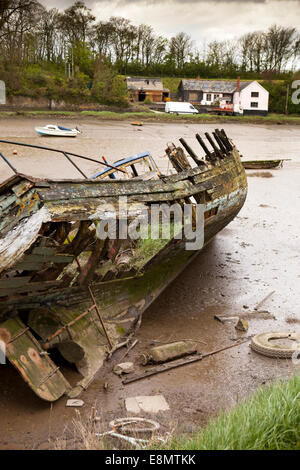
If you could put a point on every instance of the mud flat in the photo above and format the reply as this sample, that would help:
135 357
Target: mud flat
256 254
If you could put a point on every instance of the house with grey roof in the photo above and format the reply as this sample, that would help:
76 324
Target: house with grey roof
249 97
142 88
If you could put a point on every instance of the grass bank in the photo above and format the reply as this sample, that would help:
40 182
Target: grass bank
155 117
269 420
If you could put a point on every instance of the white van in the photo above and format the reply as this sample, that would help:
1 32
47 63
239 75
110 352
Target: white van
179 107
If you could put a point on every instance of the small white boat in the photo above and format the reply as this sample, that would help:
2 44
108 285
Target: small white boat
57 131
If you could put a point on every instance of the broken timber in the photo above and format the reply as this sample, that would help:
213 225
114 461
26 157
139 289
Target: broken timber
179 363
53 265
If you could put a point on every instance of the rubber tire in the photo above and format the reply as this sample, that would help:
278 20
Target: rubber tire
261 344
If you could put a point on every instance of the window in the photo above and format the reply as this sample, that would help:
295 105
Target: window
208 97
254 104
216 97
193 96
254 94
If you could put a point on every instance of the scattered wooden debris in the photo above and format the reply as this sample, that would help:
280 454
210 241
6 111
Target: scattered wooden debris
74 403
264 300
169 352
136 123
123 368
105 386
135 342
180 363
150 404
225 319
242 325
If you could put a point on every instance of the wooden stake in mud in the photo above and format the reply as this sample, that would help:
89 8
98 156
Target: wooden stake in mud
99 316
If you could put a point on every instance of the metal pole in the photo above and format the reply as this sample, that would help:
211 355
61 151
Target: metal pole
74 164
8 163
99 316
287 100
62 151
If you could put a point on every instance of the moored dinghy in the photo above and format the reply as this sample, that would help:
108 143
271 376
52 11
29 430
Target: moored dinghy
263 164
57 131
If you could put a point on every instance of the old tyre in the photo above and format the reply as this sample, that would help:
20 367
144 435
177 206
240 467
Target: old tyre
280 344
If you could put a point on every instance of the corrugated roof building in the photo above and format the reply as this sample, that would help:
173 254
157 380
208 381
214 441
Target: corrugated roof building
142 88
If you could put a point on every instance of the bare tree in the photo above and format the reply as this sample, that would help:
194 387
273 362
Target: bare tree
279 46
75 22
48 35
18 30
180 48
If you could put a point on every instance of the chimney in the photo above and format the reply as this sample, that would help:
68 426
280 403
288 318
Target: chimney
238 86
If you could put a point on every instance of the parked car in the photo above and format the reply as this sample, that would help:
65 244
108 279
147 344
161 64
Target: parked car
178 107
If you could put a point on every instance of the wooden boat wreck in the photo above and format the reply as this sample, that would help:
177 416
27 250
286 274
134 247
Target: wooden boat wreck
263 164
62 287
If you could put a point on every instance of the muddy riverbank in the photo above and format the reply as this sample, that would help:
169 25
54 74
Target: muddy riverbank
256 254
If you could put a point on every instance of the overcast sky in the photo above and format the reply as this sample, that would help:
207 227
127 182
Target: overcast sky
204 20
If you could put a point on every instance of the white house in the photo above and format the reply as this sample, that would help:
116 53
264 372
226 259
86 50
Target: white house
252 98
246 97
2 93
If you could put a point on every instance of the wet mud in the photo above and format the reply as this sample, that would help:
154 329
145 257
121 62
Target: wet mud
258 253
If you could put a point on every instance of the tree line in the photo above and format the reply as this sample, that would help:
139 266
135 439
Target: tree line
81 48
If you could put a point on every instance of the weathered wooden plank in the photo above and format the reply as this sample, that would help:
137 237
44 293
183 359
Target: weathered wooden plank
30 287
87 271
22 188
19 209
7 201
38 370
87 209
13 282
8 183
37 261
83 190
44 250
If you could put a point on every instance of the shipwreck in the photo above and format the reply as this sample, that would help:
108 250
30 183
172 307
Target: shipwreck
64 287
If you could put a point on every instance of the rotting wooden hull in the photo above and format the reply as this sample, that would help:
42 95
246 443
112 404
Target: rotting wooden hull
42 293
